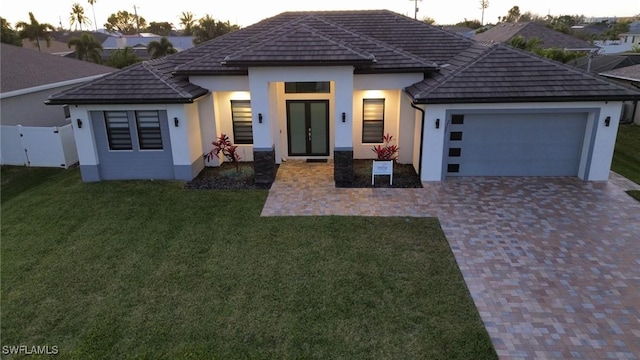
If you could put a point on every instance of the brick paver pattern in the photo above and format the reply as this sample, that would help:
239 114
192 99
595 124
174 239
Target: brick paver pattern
552 264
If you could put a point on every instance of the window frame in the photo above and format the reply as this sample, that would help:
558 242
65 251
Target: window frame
369 122
109 131
140 130
235 121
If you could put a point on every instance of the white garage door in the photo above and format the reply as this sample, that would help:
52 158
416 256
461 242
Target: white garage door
515 144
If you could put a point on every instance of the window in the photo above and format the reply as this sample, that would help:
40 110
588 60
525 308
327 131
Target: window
241 117
118 132
453 168
149 135
67 113
310 87
457 119
372 120
455 152
455 135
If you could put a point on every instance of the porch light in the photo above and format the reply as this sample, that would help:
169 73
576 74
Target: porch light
437 123
176 122
344 117
260 118
607 121
79 123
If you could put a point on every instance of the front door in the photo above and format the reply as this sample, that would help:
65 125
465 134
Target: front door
308 127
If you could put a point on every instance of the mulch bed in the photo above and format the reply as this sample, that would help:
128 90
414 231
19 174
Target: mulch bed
404 176
226 177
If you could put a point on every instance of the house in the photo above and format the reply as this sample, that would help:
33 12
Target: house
549 38
329 85
632 37
58 45
601 63
628 75
139 42
29 77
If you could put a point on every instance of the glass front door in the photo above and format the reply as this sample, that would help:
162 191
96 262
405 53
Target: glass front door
308 127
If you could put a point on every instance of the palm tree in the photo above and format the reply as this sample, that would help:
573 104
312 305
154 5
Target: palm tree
34 31
91 2
483 5
187 21
160 48
77 16
87 48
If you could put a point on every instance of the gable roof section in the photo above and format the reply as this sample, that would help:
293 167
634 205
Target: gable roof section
24 68
298 39
549 38
301 44
502 74
147 82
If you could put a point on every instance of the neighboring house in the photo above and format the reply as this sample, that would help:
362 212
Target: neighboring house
59 42
29 77
632 38
180 43
549 38
626 42
629 75
329 85
461 30
138 44
602 63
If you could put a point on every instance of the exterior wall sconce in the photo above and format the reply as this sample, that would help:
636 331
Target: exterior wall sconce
344 117
607 121
437 123
176 122
79 123
260 118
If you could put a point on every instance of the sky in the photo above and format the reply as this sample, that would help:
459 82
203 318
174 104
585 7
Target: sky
247 12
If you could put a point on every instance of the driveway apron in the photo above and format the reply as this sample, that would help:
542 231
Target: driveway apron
552 264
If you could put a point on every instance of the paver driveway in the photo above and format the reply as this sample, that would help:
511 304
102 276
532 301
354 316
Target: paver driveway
552 264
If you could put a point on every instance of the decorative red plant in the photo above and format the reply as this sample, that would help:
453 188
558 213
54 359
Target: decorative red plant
223 145
388 151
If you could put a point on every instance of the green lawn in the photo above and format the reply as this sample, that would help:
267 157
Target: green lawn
626 158
150 270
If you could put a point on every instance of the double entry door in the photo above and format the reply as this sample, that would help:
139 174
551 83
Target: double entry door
308 127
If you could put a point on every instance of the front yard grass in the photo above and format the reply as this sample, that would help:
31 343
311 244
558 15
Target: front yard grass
626 158
151 270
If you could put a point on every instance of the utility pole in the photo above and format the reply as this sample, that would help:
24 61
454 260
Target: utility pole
135 11
415 14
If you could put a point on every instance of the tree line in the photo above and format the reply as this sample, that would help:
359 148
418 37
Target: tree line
122 22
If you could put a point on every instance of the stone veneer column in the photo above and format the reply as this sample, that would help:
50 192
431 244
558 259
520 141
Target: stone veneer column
264 165
343 166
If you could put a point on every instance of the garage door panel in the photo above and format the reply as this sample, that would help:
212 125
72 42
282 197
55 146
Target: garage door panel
517 145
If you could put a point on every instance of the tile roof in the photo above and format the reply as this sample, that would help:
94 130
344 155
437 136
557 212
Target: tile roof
631 73
147 82
500 73
602 63
549 38
373 41
24 68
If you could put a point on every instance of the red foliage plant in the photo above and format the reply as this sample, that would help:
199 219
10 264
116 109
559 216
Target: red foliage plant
225 146
386 151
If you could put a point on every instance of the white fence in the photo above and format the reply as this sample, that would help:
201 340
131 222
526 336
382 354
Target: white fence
38 146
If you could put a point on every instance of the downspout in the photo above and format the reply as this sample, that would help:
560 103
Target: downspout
421 138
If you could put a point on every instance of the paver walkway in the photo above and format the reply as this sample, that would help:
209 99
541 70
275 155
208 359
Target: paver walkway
552 264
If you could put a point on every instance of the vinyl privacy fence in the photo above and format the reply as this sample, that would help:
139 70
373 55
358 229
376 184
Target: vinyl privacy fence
37 146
